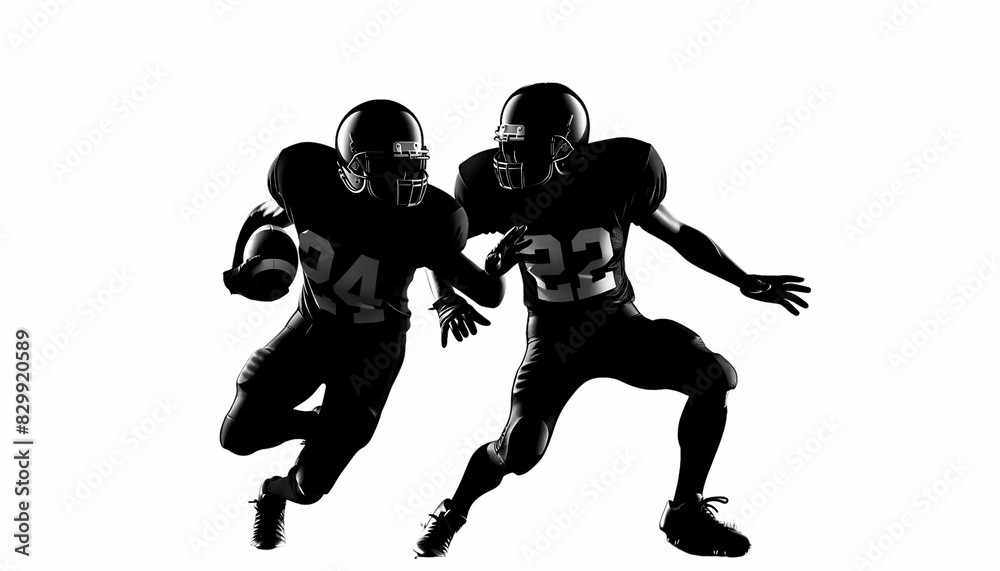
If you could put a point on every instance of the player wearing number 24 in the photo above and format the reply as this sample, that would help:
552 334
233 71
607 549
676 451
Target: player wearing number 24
366 219
565 206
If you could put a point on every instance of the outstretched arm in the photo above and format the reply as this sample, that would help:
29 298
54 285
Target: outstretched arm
461 273
701 251
694 246
455 314
485 287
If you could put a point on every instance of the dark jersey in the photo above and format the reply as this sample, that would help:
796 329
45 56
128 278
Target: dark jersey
578 222
359 253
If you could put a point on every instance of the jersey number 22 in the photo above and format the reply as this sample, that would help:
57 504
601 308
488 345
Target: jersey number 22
589 286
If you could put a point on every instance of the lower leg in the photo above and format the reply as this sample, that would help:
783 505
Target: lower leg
699 433
313 475
483 474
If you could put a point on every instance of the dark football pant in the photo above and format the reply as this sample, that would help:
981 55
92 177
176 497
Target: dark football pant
563 354
358 364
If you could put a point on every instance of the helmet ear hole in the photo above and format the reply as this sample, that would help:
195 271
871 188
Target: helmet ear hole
352 181
561 148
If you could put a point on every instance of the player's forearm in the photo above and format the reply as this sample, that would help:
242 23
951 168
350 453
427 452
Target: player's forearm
484 289
266 213
694 246
439 287
463 275
702 252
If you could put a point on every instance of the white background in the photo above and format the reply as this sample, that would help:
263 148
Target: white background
214 74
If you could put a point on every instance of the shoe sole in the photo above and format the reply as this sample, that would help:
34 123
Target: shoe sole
714 553
419 555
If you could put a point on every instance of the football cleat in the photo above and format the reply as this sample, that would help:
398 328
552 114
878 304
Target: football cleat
692 527
439 531
269 521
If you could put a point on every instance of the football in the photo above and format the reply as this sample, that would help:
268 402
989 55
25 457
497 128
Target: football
275 269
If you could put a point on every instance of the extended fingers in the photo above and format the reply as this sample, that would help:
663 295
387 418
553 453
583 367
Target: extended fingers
796 299
520 245
478 318
791 308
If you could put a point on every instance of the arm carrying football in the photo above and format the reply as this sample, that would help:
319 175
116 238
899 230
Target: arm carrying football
266 213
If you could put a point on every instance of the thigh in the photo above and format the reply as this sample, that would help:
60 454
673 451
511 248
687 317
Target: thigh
662 354
363 368
283 373
544 383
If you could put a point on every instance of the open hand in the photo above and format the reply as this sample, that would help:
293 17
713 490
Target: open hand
776 289
507 252
457 316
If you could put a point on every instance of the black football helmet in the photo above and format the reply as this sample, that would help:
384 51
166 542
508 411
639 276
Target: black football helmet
380 149
540 125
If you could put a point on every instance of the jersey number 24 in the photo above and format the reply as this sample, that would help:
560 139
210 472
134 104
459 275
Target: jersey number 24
317 261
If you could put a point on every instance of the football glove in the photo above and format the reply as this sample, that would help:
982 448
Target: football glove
775 289
507 252
239 281
456 315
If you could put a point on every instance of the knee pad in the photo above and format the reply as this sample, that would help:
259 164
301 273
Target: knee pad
728 372
712 381
525 443
238 432
252 366
302 495
312 476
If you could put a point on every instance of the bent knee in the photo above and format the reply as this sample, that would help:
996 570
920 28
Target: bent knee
525 445
728 372
712 381
233 440
309 489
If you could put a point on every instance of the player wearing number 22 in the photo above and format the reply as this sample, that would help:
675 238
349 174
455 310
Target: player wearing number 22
566 206
366 219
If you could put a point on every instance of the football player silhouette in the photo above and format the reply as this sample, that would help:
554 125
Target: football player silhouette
565 206
365 219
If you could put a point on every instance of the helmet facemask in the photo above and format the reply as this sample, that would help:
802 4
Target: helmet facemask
398 177
520 163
